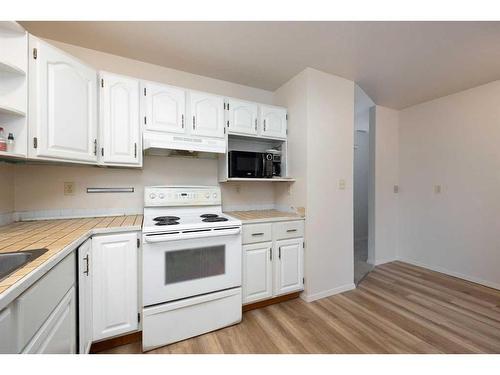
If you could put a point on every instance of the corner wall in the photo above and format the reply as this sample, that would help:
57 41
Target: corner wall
6 193
321 127
453 142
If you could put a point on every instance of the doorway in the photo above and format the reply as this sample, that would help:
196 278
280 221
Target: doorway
361 188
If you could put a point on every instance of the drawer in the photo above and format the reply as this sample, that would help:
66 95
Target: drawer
253 233
36 304
288 229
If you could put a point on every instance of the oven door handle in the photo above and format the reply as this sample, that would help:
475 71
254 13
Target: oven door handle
191 235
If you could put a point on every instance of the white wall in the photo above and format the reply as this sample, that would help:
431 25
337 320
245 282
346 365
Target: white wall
384 175
321 127
453 142
47 192
362 104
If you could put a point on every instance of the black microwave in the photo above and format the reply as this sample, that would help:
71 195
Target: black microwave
253 164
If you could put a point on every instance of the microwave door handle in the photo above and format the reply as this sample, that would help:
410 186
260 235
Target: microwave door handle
193 235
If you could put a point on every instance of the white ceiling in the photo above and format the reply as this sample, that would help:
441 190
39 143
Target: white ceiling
398 64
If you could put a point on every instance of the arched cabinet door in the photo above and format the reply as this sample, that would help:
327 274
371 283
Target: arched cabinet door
62 105
206 114
165 108
242 117
120 121
273 121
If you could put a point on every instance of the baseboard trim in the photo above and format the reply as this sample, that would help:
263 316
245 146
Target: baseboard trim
271 301
446 271
115 341
327 293
378 262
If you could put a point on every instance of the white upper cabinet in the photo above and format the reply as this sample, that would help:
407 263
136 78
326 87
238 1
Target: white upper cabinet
165 108
273 121
62 105
120 128
242 117
206 114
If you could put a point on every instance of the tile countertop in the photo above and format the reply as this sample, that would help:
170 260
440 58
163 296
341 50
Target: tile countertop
264 216
60 237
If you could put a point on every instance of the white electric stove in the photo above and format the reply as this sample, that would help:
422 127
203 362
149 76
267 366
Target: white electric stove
191 264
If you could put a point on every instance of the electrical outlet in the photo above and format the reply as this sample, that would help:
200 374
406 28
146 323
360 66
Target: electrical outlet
238 189
341 184
69 188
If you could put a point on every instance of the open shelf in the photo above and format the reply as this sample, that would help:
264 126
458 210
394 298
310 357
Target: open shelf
11 69
11 155
274 179
11 111
11 27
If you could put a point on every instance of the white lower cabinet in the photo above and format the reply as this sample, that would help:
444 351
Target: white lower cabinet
85 297
272 268
257 271
288 271
114 285
58 333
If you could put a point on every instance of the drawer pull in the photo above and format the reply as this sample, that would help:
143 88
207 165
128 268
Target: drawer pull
270 254
291 230
258 234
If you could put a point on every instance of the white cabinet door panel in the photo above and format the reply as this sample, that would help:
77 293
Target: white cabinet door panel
85 296
242 117
63 101
120 121
257 272
165 108
273 122
114 284
58 334
288 266
207 114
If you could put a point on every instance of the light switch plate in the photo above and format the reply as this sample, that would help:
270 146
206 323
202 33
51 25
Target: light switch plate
341 184
437 189
396 189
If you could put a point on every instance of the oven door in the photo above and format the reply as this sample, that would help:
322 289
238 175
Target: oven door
180 266
246 164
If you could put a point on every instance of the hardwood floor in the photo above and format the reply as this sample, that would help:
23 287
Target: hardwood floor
397 308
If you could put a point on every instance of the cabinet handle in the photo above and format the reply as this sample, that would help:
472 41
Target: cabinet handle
264 125
270 253
95 147
194 122
258 234
135 150
291 230
279 252
255 124
86 272
182 121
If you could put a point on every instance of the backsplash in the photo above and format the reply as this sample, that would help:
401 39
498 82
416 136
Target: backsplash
39 189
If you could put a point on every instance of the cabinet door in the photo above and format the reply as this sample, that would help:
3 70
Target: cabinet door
62 101
273 121
289 266
257 272
242 117
85 296
114 285
165 108
206 114
58 333
120 121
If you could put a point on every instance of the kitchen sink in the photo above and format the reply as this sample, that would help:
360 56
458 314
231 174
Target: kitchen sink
10 262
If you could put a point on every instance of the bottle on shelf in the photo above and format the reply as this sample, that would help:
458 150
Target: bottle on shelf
3 141
10 143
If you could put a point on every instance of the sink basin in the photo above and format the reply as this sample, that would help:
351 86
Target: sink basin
10 262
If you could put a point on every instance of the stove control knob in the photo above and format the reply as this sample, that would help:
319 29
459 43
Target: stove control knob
152 195
215 195
161 195
207 195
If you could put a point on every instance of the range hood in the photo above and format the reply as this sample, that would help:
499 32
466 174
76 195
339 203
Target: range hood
156 141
